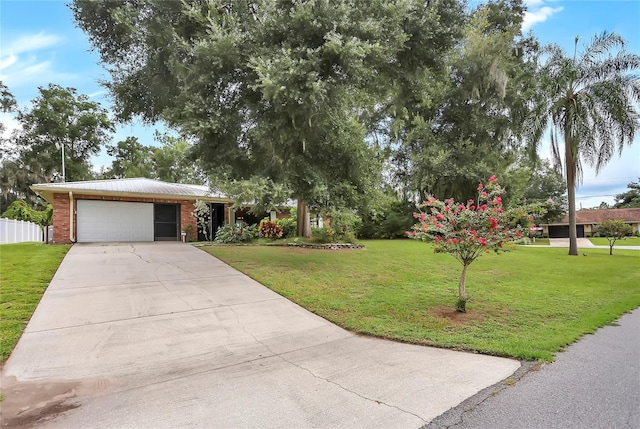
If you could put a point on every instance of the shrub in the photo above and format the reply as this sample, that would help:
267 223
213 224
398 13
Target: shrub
270 229
344 225
289 227
323 235
239 233
391 223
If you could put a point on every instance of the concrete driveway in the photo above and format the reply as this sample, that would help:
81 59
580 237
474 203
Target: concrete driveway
164 335
564 242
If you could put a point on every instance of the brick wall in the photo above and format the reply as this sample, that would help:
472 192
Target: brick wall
61 219
187 219
61 222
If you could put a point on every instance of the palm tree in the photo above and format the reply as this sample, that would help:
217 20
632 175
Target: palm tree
590 100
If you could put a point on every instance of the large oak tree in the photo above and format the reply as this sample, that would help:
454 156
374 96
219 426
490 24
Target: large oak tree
281 90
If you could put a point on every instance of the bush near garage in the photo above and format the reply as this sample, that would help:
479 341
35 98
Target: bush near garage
269 229
236 233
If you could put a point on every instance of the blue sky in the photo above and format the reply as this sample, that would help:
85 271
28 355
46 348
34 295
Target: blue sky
39 44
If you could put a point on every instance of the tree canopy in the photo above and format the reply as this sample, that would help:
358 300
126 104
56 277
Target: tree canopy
467 122
281 90
59 117
169 162
630 198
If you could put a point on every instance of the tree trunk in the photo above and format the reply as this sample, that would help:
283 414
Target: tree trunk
462 291
304 224
570 170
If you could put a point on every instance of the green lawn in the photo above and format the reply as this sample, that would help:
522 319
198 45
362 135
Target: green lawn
528 303
540 242
629 241
25 272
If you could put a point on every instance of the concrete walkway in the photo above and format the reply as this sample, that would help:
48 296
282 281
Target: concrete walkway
164 335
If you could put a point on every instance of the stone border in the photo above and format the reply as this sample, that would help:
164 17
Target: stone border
328 246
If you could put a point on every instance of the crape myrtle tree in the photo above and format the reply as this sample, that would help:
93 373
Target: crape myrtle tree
589 101
467 230
280 90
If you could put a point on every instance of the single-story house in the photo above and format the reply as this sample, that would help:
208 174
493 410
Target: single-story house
588 220
121 210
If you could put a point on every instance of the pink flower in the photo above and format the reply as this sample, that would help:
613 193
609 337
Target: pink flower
493 178
483 194
480 187
493 222
439 216
438 225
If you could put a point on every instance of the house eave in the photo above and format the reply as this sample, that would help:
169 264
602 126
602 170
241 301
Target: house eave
48 194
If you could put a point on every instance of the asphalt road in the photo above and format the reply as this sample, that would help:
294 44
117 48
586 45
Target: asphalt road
594 383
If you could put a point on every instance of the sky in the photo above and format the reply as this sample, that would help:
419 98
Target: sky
40 44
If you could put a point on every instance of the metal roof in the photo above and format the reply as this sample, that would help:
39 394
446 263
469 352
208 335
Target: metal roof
141 187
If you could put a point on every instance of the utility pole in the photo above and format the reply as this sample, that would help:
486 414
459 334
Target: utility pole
63 175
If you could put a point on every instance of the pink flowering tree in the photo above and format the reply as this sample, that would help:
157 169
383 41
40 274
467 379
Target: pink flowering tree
466 231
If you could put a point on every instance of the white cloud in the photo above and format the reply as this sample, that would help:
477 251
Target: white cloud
97 93
540 15
537 12
8 62
29 71
32 43
21 65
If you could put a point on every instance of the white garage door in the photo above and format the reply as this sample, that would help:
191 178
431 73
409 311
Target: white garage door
100 221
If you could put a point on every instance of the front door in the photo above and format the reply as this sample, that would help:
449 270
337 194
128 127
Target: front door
166 222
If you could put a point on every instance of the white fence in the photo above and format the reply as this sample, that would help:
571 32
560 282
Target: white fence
18 231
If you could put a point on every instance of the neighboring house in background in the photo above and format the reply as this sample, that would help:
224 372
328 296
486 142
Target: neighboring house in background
588 220
121 210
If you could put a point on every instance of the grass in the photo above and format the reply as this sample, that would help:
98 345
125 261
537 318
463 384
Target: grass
25 271
540 242
528 303
629 241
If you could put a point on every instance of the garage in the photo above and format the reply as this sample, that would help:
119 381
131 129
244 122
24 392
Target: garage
562 231
114 221
128 210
